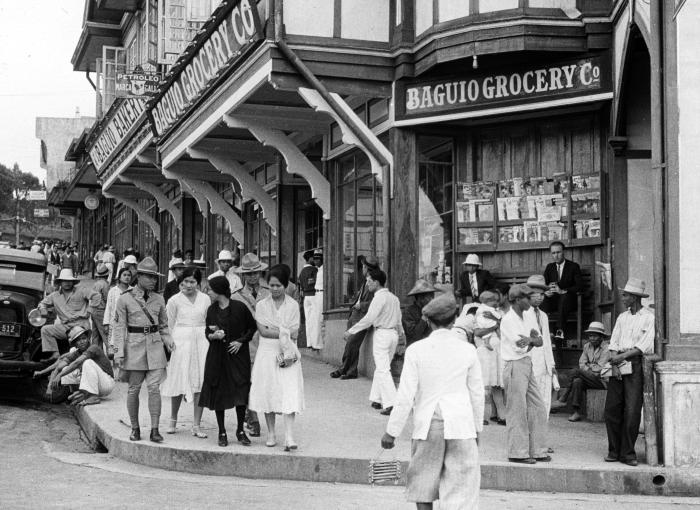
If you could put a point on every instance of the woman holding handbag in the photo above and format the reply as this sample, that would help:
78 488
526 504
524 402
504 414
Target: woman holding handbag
277 379
230 327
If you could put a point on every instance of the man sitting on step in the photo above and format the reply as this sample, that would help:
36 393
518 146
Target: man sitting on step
587 376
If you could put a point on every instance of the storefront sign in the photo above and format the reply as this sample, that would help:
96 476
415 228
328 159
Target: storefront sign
115 130
39 194
137 83
41 213
229 37
587 76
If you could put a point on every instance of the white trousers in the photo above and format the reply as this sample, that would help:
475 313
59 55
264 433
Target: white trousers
313 314
384 342
544 383
91 378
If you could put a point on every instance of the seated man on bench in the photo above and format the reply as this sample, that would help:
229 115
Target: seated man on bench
587 376
563 277
86 366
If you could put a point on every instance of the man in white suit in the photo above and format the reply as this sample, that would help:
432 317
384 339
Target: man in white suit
441 382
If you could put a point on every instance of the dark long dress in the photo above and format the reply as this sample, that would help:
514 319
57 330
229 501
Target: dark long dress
227 376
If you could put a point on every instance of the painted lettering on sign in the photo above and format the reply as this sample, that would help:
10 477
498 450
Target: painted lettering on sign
237 31
115 131
581 77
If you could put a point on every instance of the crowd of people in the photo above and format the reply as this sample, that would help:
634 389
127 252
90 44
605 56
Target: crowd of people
229 341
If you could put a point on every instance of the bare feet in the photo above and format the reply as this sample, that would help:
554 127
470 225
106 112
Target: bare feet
92 400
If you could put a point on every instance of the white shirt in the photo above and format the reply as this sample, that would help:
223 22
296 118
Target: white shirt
234 280
440 370
542 357
560 269
108 257
384 313
318 286
634 330
512 326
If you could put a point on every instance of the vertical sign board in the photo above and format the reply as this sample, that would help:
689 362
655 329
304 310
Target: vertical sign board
226 40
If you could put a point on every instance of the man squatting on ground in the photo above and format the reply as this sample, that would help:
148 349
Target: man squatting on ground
441 382
86 366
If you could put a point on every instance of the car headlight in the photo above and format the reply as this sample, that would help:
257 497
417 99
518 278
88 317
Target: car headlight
36 319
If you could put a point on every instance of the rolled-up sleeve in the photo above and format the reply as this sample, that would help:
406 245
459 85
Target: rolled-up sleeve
646 340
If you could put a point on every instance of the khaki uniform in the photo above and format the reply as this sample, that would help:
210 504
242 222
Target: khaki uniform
140 351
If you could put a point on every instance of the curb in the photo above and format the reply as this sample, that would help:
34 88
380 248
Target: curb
643 480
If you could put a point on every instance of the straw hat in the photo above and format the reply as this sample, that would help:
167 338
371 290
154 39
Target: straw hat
536 281
371 262
130 259
472 260
421 287
177 264
597 327
101 270
75 333
224 255
66 275
148 266
250 263
636 287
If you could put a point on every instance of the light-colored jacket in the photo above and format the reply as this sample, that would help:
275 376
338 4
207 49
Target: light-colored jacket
542 357
443 370
140 351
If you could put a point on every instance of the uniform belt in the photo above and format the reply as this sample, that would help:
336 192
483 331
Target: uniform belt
142 329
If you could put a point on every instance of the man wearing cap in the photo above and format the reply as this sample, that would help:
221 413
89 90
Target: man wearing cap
99 336
177 257
632 337
225 263
587 376
414 325
255 289
140 330
86 366
73 306
177 267
351 354
526 414
313 313
108 259
474 280
563 277
441 383
307 285
543 364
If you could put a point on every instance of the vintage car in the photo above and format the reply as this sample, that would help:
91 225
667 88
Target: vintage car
22 281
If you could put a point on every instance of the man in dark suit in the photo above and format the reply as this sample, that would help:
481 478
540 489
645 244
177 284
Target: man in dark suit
563 278
474 280
361 301
177 266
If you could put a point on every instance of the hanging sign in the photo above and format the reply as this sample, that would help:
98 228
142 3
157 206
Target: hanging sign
228 37
41 213
38 194
115 130
494 89
137 83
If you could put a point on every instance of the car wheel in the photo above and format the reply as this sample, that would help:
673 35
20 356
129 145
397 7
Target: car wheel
56 397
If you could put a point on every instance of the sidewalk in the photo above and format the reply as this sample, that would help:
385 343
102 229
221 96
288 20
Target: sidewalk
339 432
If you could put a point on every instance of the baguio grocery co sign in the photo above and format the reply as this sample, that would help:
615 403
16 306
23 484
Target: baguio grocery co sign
585 77
115 130
234 31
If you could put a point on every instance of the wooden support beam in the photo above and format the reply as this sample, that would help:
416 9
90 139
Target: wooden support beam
140 211
164 203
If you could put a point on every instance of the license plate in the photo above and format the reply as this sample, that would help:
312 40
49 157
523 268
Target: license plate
10 329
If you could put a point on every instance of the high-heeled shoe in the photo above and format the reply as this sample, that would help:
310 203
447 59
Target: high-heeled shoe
197 432
223 439
172 427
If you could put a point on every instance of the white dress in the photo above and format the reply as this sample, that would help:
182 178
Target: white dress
275 389
186 321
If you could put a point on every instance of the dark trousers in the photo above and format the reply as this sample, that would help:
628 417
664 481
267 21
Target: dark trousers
351 354
583 380
562 305
623 412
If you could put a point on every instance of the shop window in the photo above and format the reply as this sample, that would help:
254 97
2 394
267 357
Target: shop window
378 111
336 136
180 21
435 209
259 237
358 222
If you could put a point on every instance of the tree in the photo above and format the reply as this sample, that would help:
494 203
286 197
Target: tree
15 184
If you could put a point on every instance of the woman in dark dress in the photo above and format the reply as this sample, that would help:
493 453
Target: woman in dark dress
230 326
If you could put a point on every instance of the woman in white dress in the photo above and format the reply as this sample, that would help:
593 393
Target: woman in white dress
277 389
123 279
187 312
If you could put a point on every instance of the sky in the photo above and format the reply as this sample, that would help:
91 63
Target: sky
37 39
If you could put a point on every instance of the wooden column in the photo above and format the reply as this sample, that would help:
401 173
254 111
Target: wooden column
404 207
618 214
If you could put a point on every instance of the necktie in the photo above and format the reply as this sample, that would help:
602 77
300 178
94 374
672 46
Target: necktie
145 297
559 269
255 293
475 288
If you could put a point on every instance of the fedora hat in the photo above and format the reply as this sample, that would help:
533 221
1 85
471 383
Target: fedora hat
148 266
75 333
597 327
250 263
225 255
421 287
372 262
177 264
636 287
472 260
101 270
536 281
130 259
66 275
